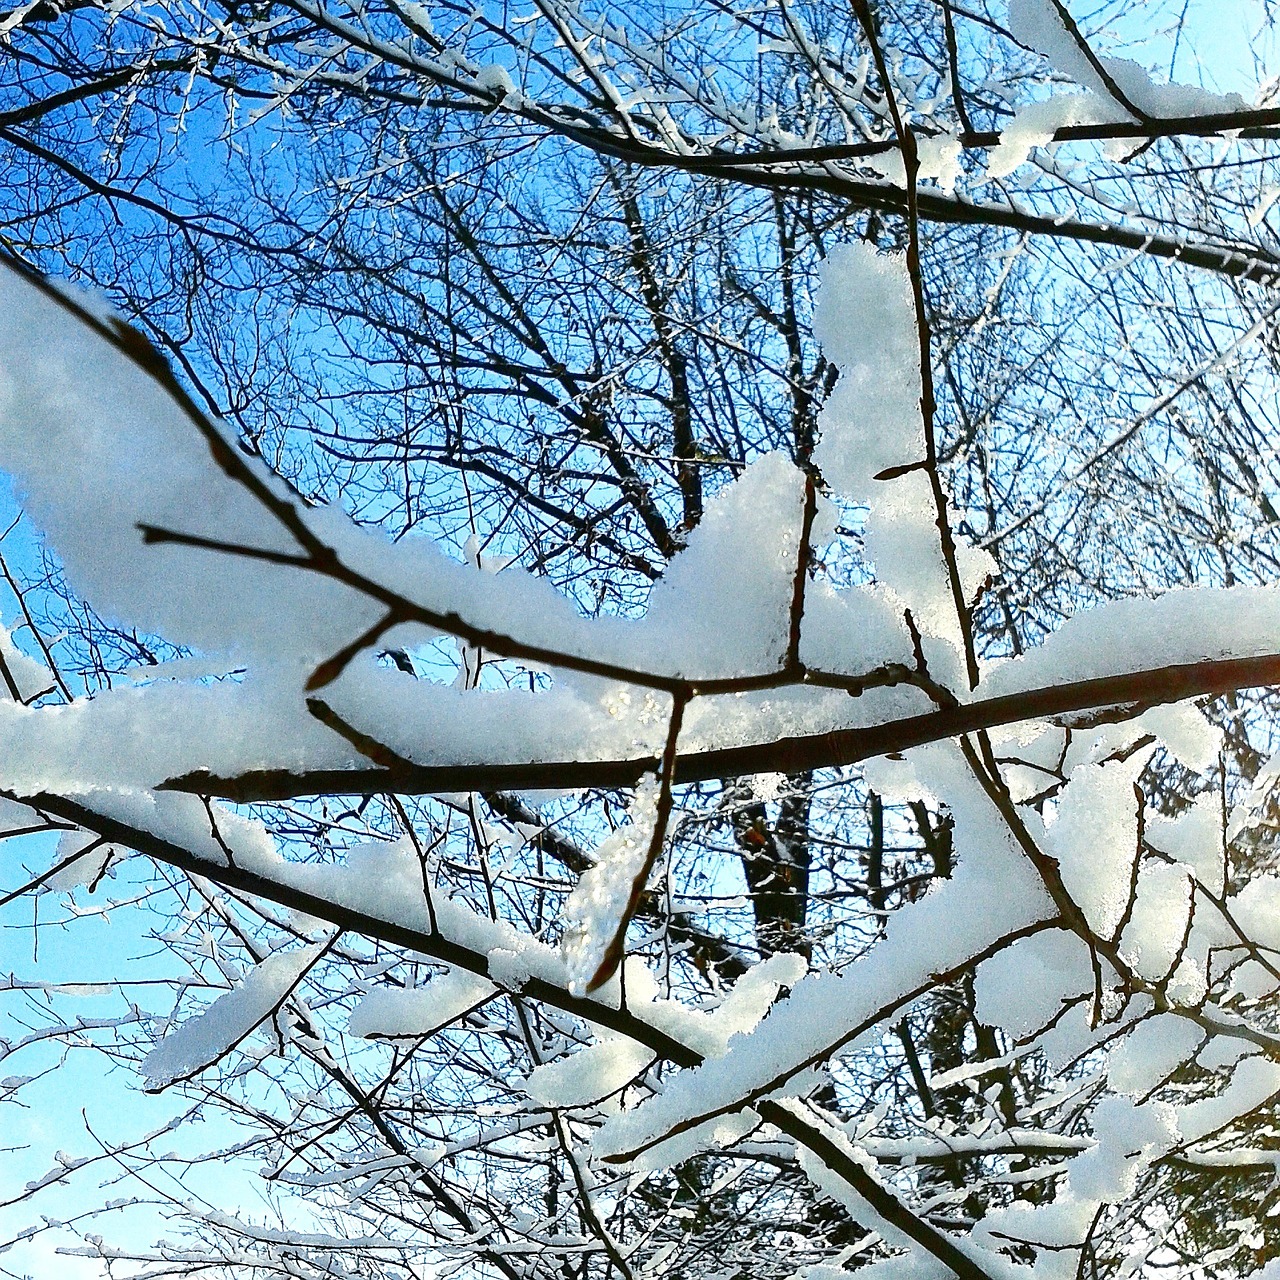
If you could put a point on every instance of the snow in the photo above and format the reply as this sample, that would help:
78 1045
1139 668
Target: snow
1188 985
32 678
939 157
721 609
1254 1081
96 859
1036 23
723 605
1129 1137
709 1032
1155 1047
584 719
589 1075
97 447
1024 987
1034 124
901 540
1194 838
203 1039
834 1187
1180 627
389 1011
1094 836
992 894
1154 934
872 424
137 737
750 999
1190 737
865 321
496 79
1256 909
595 907
917 1264
853 631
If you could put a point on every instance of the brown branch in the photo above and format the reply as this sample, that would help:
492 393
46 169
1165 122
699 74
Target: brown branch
350 919
928 400
1236 261
872 1190
614 952
1134 691
331 668
953 69
1095 63
432 944
804 560
756 1097
707 949
108 82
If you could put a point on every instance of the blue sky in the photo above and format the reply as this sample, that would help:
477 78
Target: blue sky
1218 44
86 1091
83 944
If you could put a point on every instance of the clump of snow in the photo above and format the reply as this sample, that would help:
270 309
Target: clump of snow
752 996
1180 627
96 446
865 321
853 631
91 859
723 605
1254 1081
1193 838
31 678
590 1074
495 78
1153 936
388 1012
940 160
1026 986
1190 737
1129 1137
1256 909
901 540
1038 24
203 1039
1094 836
1155 1047
594 909
1034 124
